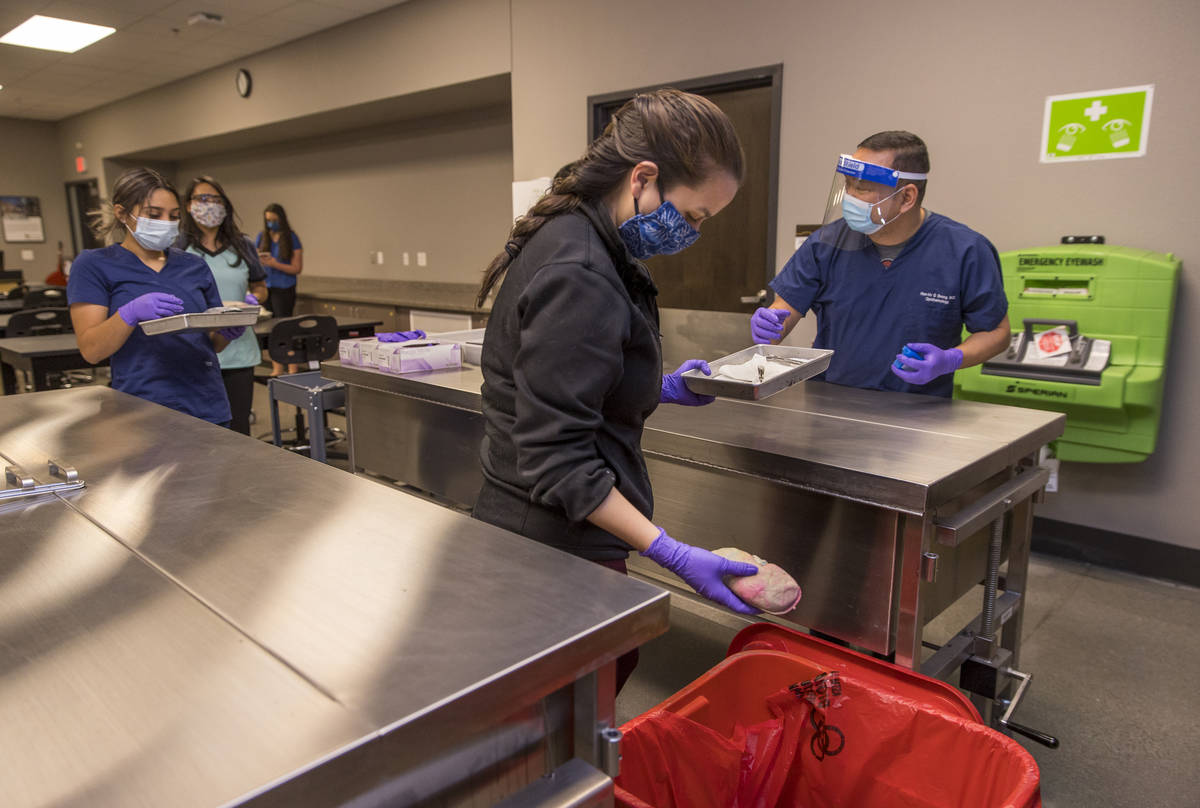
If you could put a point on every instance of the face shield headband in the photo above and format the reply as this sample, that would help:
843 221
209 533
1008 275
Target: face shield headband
878 182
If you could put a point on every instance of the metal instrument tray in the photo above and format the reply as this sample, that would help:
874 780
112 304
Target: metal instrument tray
815 360
217 317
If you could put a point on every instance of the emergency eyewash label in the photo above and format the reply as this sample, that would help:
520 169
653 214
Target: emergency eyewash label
1099 125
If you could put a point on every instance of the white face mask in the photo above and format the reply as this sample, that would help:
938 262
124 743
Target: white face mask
155 234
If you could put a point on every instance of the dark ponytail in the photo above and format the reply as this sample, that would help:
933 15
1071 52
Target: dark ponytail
132 189
687 136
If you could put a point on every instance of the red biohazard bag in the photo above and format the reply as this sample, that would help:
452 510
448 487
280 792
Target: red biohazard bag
766 728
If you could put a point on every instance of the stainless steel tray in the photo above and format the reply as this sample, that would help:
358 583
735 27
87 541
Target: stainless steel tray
220 317
815 360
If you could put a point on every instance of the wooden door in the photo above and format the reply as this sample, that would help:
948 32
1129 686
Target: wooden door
734 257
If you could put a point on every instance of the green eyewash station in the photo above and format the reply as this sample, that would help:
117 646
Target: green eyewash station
1091 325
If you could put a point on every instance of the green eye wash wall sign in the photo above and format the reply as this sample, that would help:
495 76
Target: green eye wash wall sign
1099 125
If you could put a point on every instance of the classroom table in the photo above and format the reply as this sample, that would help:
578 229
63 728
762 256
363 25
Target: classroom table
41 356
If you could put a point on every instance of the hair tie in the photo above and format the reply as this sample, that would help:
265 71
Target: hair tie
512 248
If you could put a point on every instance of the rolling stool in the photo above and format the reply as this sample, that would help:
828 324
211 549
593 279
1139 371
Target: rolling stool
308 338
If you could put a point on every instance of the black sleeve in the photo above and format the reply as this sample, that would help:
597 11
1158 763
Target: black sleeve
257 273
573 324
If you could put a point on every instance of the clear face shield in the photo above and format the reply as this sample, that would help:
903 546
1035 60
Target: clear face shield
865 194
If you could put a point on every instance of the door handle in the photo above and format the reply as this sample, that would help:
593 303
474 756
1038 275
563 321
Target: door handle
760 298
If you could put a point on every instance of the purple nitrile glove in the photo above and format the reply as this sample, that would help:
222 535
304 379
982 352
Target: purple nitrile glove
766 325
250 300
150 306
935 362
232 333
701 570
400 336
675 390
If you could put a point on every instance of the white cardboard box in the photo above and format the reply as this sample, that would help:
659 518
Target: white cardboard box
350 350
418 355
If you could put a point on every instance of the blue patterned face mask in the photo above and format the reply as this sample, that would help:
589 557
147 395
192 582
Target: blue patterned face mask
663 231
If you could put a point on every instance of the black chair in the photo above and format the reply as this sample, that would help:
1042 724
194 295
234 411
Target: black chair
46 322
39 322
46 296
306 339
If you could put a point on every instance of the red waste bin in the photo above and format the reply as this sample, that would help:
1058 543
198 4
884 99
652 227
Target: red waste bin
790 720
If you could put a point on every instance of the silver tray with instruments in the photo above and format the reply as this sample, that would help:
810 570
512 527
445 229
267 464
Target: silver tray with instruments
781 366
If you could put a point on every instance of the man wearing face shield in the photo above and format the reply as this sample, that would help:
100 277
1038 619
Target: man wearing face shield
891 283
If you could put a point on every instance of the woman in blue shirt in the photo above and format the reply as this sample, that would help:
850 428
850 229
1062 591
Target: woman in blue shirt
114 289
282 255
209 229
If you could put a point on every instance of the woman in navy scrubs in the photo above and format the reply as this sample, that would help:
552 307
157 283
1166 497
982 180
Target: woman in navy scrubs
282 255
113 289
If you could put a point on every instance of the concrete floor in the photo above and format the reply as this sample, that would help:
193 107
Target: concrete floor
1116 665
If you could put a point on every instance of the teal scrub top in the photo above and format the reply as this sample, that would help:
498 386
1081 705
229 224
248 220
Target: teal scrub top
233 282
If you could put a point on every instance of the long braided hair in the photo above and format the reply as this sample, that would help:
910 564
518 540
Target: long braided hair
687 136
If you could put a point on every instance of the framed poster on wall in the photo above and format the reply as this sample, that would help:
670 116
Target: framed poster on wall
21 219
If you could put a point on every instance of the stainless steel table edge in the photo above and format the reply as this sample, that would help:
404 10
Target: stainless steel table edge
916 510
466 710
413 385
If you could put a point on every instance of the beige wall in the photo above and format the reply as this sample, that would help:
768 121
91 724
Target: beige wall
416 46
971 78
29 167
438 186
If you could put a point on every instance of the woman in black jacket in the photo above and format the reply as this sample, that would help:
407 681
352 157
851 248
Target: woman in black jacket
572 359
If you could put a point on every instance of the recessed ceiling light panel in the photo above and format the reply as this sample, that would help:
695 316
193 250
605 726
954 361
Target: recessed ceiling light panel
52 33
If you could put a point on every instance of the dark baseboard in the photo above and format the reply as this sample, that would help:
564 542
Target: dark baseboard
1107 548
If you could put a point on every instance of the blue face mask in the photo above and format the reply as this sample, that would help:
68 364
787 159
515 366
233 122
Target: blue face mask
273 226
663 231
857 213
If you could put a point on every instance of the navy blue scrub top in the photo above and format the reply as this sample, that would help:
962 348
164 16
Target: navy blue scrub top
277 278
179 371
946 275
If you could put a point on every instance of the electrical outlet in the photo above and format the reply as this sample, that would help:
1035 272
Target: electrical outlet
421 259
379 257
405 259
27 255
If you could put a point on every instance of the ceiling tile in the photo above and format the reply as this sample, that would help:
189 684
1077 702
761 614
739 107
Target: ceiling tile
111 14
308 12
153 46
361 6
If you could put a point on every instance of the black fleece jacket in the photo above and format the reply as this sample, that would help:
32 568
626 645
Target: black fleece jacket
572 367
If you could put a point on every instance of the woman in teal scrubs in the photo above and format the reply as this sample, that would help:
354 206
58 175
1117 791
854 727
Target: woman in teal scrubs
209 229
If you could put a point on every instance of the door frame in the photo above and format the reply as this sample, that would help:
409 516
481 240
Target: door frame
70 186
771 76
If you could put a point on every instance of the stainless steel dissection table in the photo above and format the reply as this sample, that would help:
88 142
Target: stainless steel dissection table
883 505
201 619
